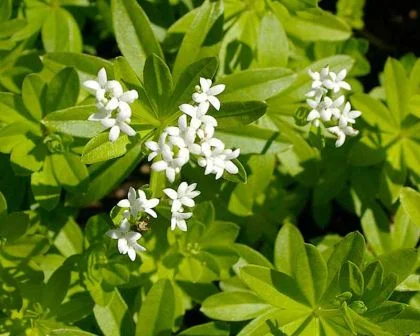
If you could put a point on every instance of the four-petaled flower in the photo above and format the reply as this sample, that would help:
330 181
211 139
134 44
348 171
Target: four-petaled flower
218 160
138 202
336 83
178 220
207 93
127 240
348 115
341 132
324 109
183 196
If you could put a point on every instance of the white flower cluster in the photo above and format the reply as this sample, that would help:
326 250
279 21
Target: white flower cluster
136 204
184 196
327 104
112 102
194 136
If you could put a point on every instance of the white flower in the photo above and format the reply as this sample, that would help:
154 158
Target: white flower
178 220
119 124
184 136
199 119
183 196
147 205
139 203
109 97
218 160
206 93
336 83
156 147
171 164
109 94
348 115
127 240
341 133
317 87
324 109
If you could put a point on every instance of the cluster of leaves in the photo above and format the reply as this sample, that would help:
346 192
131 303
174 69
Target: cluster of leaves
61 277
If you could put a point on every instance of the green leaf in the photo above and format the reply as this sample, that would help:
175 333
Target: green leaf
405 233
105 177
273 45
271 321
351 279
396 88
312 24
13 109
205 31
70 172
13 226
44 186
243 196
185 86
156 316
373 276
207 329
59 23
351 248
311 273
134 33
56 288
375 113
375 224
237 114
234 306
100 148
69 240
256 84
113 316
86 65
276 288
406 322
28 156
400 262
288 246
410 201
158 83
254 140
33 95
74 121
63 90
12 135
250 256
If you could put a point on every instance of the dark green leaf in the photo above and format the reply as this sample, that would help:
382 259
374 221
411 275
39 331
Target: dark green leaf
134 33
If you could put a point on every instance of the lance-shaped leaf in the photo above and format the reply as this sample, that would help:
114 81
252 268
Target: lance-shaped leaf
114 319
351 279
185 85
256 84
202 37
208 329
351 248
158 310
234 306
63 90
134 33
410 200
158 83
276 288
74 121
237 114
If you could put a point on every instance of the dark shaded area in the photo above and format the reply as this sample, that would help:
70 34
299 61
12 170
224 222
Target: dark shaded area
392 29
